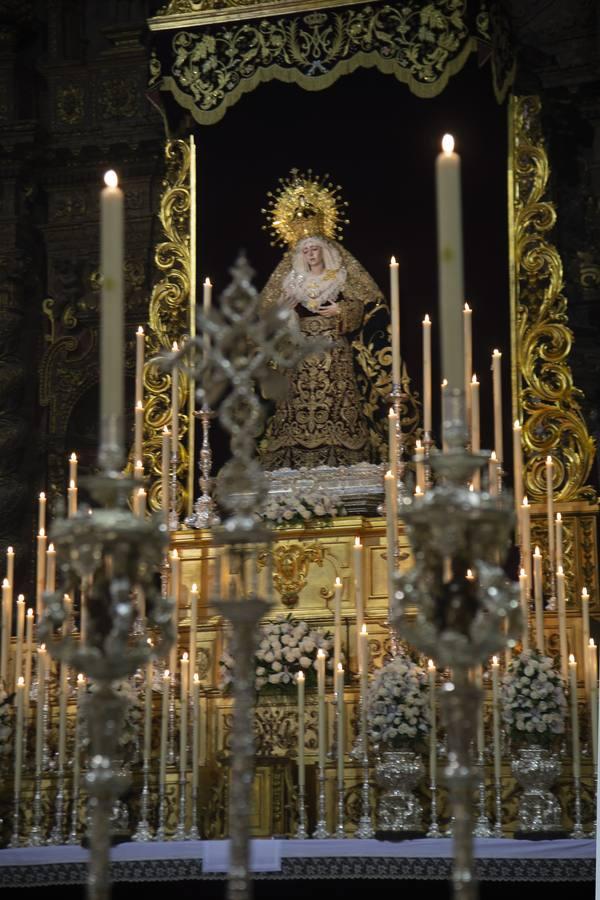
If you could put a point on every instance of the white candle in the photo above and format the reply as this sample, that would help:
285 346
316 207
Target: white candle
183 710
562 620
431 670
42 512
518 466
175 592
497 391
140 506
19 702
164 729
496 719
73 468
391 522
339 692
10 566
524 608
525 533
175 406
392 442
592 668
138 470
420 465
480 722
443 389
450 263
78 712
51 568
395 324
301 766
321 726
364 672
28 653
166 471
475 428
538 599
206 301
111 312
493 474
574 717
148 713
550 511
337 623
41 696
195 732
139 366
138 435
585 629
193 625
357 557
40 571
72 499
558 535
20 637
5 645
468 345
427 420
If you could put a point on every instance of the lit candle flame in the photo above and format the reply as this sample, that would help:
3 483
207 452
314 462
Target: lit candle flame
448 144
111 179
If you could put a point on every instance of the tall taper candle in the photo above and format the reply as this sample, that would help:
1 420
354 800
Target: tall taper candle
193 625
337 623
81 687
468 344
427 420
574 717
175 405
592 667
183 712
28 653
558 539
339 694
175 594
493 474
148 713
195 731
165 471
395 323
63 696
497 394
364 667
496 719
72 499
40 574
420 465
321 724
524 609
206 304
5 645
357 558
585 627
517 466
51 568
525 532
538 599
10 566
431 671
20 697
391 522
443 389
475 428
42 512
73 468
20 636
450 263
112 355
301 766
392 443
164 728
139 366
562 620
138 437
550 511
40 702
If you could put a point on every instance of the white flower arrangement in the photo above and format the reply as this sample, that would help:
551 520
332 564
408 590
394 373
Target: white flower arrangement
534 705
6 724
286 646
398 704
289 508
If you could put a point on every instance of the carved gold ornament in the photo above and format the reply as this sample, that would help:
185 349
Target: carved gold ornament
169 316
291 563
543 390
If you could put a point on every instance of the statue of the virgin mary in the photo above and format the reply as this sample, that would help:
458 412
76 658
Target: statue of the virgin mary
334 412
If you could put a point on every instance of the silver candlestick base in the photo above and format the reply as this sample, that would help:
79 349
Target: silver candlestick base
173 515
161 834
204 515
482 827
56 835
577 832
180 831
365 828
434 828
36 835
340 831
15 840
320 832
194 832
301 832
397 396
498 804
143 832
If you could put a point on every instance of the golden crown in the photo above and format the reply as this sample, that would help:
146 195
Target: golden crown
304 205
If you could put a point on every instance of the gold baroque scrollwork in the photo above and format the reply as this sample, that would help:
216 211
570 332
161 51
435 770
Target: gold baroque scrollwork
291 563
543 388
169 316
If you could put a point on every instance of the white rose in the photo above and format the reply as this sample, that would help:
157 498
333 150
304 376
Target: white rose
276 666
305 662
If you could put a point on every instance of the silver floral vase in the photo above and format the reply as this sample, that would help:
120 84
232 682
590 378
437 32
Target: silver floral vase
399 812
537 769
